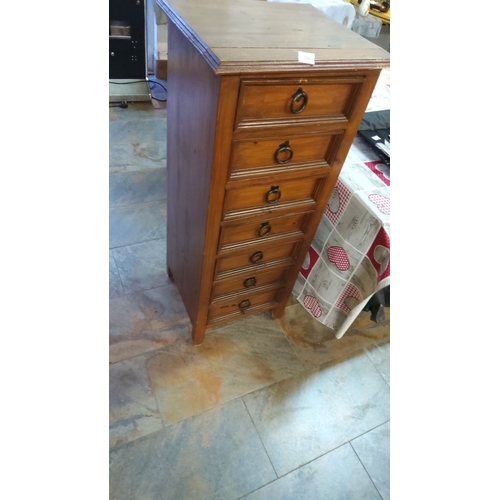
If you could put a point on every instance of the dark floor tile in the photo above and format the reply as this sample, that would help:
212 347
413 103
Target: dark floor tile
121 157
138 131
137 223
217 455
137 156
142 266
146 321
314 412
115 284
127 188
133 411
338 475
149 154
373 449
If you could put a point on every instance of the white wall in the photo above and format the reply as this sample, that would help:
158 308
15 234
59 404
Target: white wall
150 34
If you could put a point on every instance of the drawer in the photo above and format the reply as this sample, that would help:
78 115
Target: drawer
283 152
250 281
242 304
296 99
256 259
263 230
273 194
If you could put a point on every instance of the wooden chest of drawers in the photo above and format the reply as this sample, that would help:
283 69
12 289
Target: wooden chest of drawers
255 143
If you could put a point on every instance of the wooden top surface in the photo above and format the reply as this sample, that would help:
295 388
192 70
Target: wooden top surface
238 36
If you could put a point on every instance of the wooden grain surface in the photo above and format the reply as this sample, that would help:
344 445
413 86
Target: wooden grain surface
269 253
195 91
263 152
230 32
259 278
233 68
232 305
272 98
247 232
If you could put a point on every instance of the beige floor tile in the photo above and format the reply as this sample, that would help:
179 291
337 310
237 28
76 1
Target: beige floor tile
231 361
316 344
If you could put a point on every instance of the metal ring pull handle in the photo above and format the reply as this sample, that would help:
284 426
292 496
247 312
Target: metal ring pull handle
250 282
244 305
299 95
284 146
265 228
273 195
256 257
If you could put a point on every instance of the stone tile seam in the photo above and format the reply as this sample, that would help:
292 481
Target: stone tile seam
363 465
153 392
316 458
288 340
166 425
242 396
263 445
180 422
127 294
138 243
178 341
367 350
127 205
119 276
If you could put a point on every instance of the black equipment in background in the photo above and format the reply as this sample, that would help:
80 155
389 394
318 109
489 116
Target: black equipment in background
127 39
375 128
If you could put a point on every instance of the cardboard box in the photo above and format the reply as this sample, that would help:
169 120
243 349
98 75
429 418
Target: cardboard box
161 69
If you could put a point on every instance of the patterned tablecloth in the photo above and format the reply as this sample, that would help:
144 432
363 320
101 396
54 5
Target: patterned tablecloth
348 260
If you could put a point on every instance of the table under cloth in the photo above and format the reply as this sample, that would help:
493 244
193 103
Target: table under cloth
349 258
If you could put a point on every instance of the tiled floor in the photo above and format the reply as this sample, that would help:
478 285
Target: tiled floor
263 409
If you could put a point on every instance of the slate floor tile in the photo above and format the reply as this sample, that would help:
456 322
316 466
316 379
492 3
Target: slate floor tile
136 131
142 266
338 475
231 361
316 344
373 449
214 456
127 188
145 321
139 156
316 411
115 284
137 223
380 355
133 412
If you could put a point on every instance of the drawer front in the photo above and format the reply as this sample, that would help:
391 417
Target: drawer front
267 100
262 230
272 194
249 281
242 305
282 152
255 259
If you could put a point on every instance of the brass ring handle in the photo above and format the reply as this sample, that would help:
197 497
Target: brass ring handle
273 195
256 257
244 305
297 97
250 282
284 146
265 228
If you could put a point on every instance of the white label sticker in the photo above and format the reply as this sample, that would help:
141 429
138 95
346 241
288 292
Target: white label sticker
376 138
306 57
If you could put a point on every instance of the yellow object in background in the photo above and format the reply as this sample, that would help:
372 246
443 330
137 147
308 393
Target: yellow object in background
385 17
